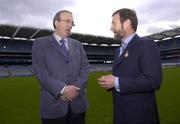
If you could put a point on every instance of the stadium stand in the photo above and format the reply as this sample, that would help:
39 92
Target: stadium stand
4 71
19 70
16 43
100 67
169 45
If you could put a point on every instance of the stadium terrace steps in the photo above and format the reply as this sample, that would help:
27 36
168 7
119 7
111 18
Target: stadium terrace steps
18 70
21 70
15 70
4 72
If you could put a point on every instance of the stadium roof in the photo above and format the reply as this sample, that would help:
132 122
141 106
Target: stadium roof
31 33
165 34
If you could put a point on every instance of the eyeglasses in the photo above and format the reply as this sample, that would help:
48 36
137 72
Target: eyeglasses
68 21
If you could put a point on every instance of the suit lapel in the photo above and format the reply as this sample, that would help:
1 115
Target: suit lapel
70 44
116 55
127 50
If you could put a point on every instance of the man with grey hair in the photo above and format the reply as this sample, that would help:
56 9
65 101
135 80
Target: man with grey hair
61 66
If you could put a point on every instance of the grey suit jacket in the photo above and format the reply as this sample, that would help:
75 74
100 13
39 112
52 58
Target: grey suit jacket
54 70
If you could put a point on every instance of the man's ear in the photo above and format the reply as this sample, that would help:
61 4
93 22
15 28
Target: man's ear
127 23
56 23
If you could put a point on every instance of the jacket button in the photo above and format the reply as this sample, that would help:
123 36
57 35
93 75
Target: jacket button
67 61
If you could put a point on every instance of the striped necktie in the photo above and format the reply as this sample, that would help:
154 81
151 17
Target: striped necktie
123 46
66 51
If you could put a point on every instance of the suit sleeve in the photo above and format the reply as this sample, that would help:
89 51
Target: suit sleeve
46 79
84 70
149 78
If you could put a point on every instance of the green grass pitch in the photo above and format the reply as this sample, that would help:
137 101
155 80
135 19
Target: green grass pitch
19 100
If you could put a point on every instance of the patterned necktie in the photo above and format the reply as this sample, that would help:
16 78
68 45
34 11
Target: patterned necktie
123 46
66 51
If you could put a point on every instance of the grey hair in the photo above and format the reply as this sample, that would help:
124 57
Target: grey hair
57 16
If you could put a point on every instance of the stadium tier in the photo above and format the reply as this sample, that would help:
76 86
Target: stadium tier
16 43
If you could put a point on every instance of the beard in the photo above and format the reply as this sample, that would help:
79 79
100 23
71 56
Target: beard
119 35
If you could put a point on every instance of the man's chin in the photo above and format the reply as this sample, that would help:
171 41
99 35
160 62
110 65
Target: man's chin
117 37
68 33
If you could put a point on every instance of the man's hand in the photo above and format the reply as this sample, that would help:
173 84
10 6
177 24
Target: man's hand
64 98
107 82
70 93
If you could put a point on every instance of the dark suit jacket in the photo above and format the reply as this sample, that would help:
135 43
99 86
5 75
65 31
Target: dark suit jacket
54 70
139 72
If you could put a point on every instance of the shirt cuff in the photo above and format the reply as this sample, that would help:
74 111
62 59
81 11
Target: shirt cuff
117 87
62 90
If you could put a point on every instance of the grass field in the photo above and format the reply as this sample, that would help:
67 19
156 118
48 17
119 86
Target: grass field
19 100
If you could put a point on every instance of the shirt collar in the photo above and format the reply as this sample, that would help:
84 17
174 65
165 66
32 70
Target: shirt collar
58 38
128 39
